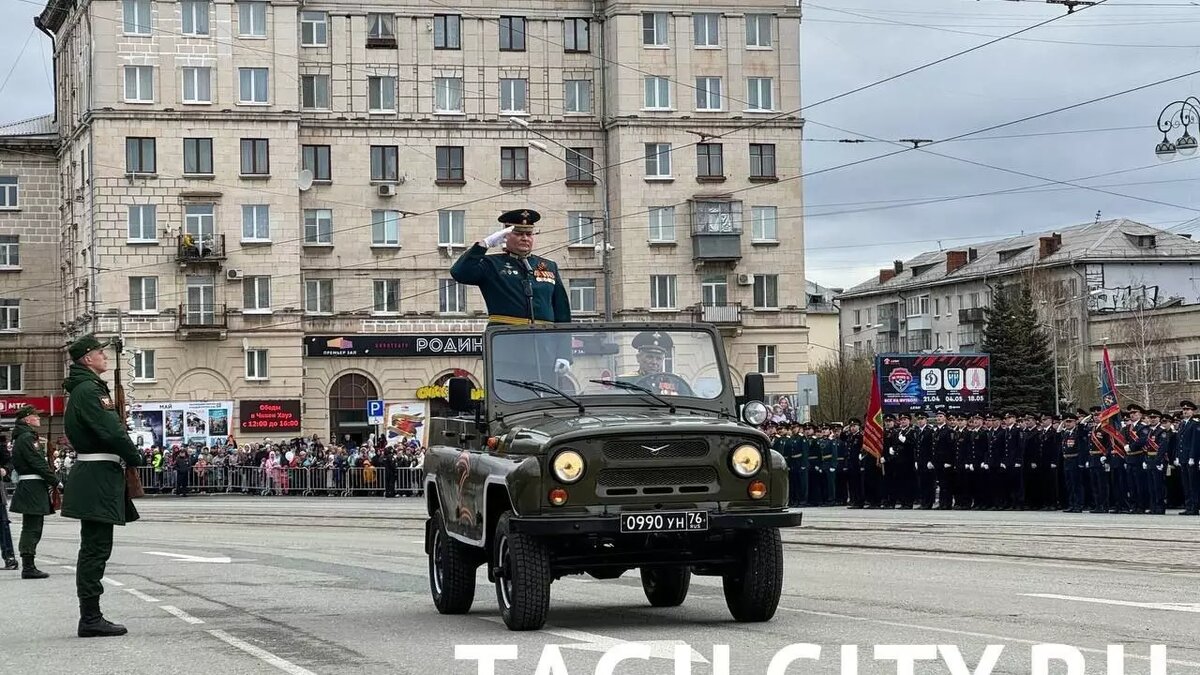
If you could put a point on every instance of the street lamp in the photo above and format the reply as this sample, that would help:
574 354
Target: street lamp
1188 113
604 260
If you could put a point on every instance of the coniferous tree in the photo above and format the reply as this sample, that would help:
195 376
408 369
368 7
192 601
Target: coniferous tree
1022 373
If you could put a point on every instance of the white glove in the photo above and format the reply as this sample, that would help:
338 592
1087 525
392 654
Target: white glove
1053 466
916 466
985 466
1126 447
1103 459
496 238
1033 466
561 366
1002 465
945 466
1192 462
970 467
1019 466
1087 465
929 465
892 451
1144 465
1177 462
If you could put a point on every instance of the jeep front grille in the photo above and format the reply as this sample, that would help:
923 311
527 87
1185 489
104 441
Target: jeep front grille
657 481
626 450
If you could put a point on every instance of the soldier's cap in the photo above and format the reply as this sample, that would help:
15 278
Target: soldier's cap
904 416
889 418
1047 416
853 420
655 341
989 416
1133 407
85 344
25 411
522 220
1094 409
1010 414
1153 413
1187 405
976 416
1081 412
921 415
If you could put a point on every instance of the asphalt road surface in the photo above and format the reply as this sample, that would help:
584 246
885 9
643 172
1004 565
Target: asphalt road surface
216 585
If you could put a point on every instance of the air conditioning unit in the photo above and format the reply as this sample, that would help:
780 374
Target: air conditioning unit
388 190
233 275
745 279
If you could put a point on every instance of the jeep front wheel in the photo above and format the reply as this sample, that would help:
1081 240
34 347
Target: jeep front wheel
666 586
522 572
451 571
753 584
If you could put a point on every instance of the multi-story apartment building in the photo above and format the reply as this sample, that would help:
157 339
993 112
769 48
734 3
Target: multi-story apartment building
265 199
31 344
937 300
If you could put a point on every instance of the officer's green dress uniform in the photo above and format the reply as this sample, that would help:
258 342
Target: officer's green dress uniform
32 496
96 494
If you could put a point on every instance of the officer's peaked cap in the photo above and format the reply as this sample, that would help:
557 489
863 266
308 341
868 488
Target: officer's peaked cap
522 220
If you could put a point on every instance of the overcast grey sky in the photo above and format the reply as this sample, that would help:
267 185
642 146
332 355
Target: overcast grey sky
853 224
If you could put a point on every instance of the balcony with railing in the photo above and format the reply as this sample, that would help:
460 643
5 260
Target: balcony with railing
730 313
202 321
971 315
200 248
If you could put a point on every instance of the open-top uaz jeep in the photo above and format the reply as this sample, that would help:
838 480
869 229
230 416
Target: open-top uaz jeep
632 458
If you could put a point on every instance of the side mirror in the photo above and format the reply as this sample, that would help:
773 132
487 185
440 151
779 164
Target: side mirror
753 388
460 394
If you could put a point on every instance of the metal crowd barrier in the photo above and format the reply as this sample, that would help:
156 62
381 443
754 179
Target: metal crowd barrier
307 482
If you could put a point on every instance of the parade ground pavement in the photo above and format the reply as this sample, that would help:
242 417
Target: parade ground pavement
228 584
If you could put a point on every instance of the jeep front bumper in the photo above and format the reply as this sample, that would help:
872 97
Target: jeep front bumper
549 525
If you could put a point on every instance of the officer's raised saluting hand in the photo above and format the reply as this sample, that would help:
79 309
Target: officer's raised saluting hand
496 238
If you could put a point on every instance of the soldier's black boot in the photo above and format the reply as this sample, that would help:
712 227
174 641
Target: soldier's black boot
93 624
11 564
29 570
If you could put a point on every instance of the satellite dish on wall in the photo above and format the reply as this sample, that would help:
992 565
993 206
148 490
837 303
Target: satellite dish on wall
304 179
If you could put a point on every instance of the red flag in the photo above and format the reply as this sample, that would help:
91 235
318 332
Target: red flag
1110 409
873 423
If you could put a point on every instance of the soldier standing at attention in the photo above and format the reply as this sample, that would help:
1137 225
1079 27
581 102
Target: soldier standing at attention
32 498
1187 457
6 545
98 497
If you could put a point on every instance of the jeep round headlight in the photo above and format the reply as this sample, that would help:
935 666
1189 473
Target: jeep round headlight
754 412
568 466
746 460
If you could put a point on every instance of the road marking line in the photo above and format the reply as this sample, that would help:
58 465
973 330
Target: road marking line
181 614
140 595
111 582
262 654
1191 607
986 636
67 567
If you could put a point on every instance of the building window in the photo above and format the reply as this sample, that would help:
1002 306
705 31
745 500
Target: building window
714 291
581 228
199 221
318 296
764 223
448 94
314 92
256 294
143 223
195 17
582 293
450 163
255 157
446 31
708 93
381 94
315 158
452 228
1170 370
256 364
385 228
709 163
766 291
10 187
512 95
197 85
658 93
512 33
10 378
198 156
758 93
707 29
452 297
662 223
387 296
1193 367
136 17
385 163
139 155
758 30
716 217
514 164
762 160
381 28
575 35
766 359
318 226
654 29
252 85
256 222
580 165
10 250
143 294
252 19
658 160
314 29
143 365
577 96
10 314
662 291
139 84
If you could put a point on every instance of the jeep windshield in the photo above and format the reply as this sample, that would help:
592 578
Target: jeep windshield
675 363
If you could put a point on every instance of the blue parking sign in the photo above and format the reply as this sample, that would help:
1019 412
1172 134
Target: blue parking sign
374 411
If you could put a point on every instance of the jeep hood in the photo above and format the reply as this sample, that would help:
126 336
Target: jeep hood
531 434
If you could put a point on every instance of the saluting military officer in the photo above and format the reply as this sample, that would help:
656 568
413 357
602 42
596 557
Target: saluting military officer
97 495
32 497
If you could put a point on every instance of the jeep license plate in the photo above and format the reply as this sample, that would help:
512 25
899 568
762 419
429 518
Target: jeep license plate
666 521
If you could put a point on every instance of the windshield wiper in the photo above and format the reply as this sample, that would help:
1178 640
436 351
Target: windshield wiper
636 387
542 387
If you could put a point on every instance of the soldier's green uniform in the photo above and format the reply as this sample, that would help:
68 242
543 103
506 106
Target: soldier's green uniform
32 496
96 494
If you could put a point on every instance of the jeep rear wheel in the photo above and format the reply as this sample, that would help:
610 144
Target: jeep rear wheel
522 571
666 586
753 585
451 571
